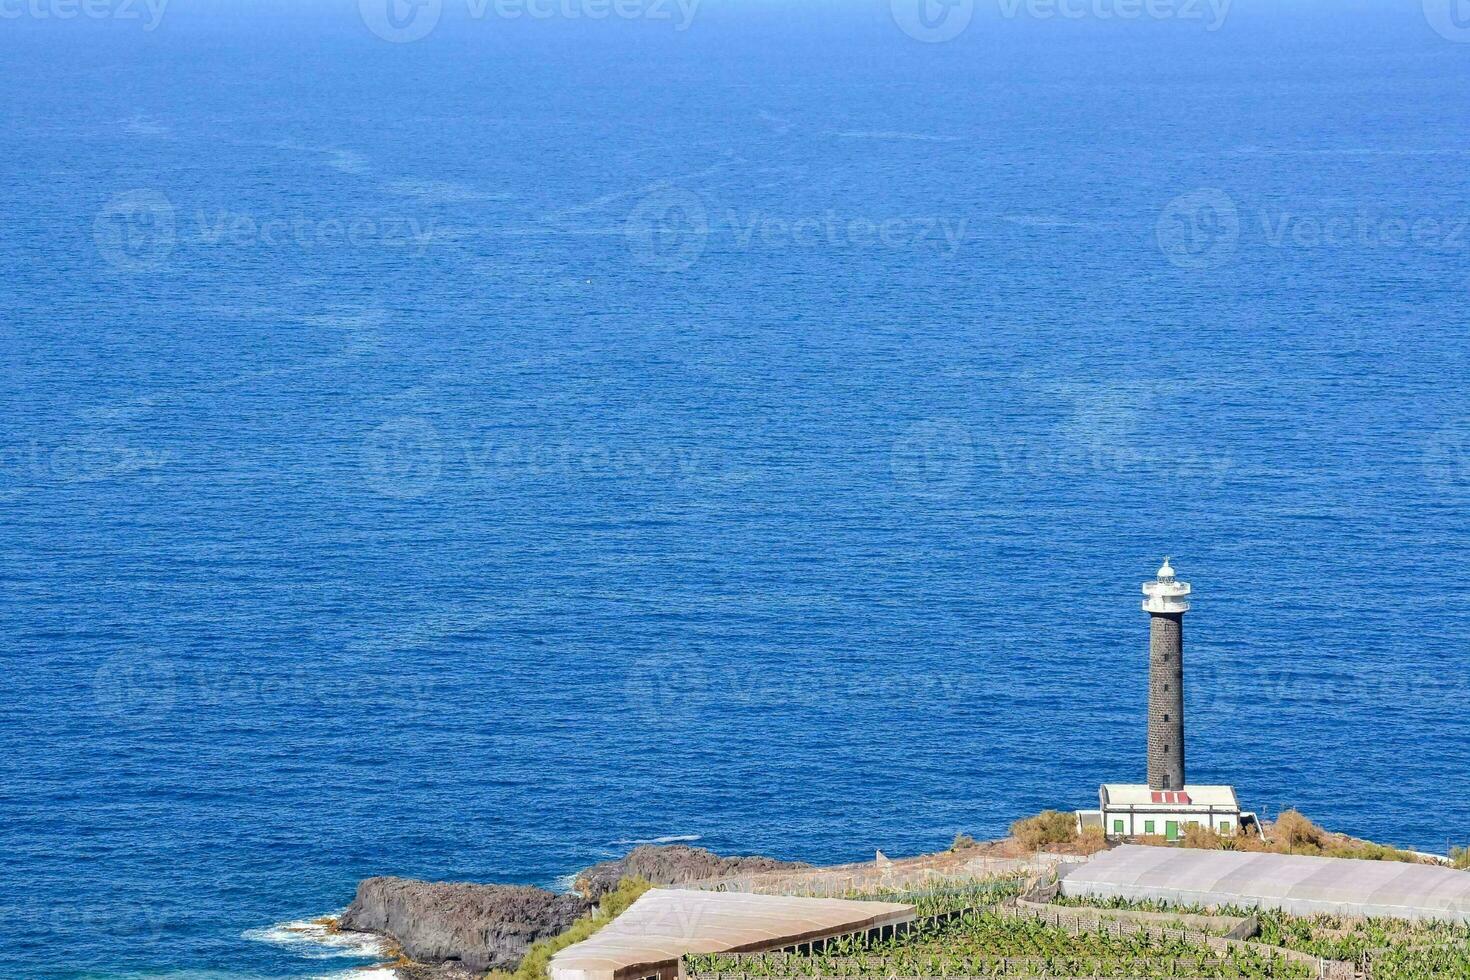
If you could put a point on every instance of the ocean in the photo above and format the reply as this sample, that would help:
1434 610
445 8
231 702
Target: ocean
461 440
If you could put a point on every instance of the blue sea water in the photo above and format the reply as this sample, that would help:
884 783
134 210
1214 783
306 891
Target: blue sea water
465 455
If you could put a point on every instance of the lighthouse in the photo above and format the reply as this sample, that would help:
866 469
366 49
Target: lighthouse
1166 807
1166 600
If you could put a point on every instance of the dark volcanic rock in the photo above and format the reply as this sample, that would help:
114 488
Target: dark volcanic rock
671 865
479 927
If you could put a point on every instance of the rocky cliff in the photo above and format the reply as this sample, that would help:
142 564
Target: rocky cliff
451 931
476 927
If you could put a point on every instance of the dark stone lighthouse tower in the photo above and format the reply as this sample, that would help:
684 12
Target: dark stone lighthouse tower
1166 603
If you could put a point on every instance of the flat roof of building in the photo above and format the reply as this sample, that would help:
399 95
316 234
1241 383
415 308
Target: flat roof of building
666 923
1133 794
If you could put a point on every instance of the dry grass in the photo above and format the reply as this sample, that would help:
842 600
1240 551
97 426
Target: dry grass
1047 827
1203 838
1092 840
1294 832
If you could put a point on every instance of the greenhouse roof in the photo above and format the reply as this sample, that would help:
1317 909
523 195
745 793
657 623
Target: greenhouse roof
666 923
1295 884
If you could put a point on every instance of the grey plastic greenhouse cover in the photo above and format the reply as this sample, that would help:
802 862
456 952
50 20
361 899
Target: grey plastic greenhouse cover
1291 883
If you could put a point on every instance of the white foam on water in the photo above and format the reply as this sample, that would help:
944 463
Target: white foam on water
671 839
315 941
363 973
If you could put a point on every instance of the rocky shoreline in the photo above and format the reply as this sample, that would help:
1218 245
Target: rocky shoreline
461 931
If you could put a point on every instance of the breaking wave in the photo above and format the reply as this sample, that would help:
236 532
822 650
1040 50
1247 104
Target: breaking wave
314 939
671 839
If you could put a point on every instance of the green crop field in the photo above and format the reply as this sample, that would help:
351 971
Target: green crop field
966 932
1391 949
985 943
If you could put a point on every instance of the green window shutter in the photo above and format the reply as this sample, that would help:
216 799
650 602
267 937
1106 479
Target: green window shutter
1225 827
1148 826
1171 829
1117 826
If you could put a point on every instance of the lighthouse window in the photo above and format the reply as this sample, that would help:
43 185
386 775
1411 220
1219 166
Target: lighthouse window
1166 750
1166 717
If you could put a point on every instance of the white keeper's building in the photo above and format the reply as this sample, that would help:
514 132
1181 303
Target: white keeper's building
1129 810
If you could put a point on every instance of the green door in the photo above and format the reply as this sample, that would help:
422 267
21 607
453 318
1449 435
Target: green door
1171 829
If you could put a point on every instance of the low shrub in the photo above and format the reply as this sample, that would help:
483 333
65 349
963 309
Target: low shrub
1293 830
1047 827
